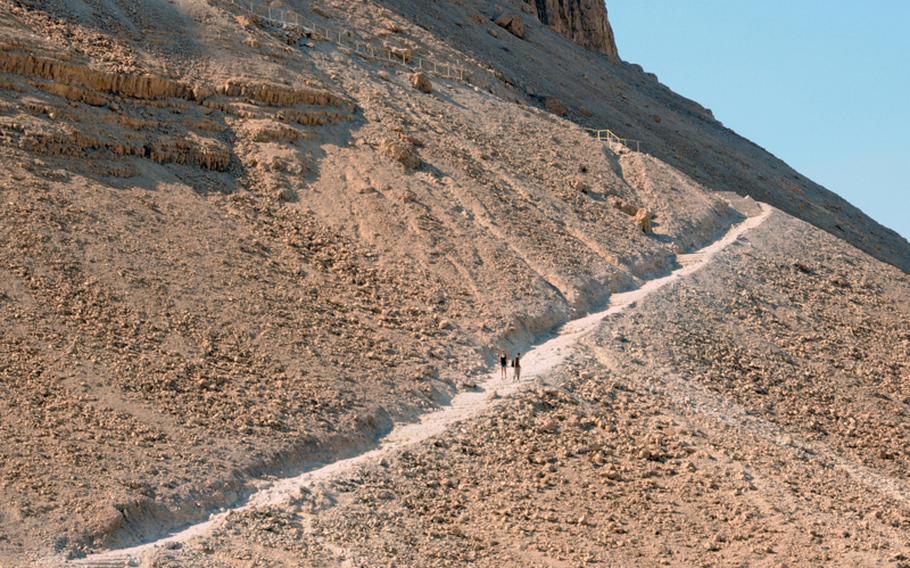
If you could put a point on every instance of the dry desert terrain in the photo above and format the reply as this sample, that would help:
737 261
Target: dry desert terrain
256 268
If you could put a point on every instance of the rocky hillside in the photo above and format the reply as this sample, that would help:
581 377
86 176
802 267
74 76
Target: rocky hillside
231 249
594 92
226 249
714 425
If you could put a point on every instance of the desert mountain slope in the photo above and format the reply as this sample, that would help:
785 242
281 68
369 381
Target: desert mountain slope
223 255
230 250
599 94
713 424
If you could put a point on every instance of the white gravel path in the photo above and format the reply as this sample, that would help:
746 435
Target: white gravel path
538 361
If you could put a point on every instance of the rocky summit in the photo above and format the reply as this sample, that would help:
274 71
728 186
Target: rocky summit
583 21
259 262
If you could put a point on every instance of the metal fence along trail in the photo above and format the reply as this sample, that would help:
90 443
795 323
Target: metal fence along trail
608 136
289 19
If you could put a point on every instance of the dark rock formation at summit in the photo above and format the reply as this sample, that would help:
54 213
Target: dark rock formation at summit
583 21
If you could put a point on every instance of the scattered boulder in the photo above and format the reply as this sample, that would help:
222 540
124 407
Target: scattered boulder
422 83
612 473
406 196
513 24
555 106
803 268
400 150
287 194
106 520
643 220
579 185
620 205
391 26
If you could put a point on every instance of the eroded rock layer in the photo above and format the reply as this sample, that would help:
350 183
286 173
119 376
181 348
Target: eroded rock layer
583 21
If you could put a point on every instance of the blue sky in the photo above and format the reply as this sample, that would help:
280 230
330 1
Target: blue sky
823 85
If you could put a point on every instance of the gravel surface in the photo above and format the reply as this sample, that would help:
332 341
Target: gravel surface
229 251
636 453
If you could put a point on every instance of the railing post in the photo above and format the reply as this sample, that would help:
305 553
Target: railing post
290 18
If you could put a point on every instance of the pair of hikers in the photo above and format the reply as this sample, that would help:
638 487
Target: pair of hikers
516 365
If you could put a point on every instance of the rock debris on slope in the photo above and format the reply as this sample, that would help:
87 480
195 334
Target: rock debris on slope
228 251
654 445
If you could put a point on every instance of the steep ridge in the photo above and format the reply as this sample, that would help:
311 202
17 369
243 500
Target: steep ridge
239 250
671 435
598 93
726 419
583 21
229 249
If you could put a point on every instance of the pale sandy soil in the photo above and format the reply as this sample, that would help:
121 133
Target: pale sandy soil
229 273
228 251
537 363
647 447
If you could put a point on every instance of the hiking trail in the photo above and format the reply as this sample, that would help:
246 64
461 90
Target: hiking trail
538 361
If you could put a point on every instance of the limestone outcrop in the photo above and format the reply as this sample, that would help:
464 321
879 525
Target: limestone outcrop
583 21
84 84
279 95
147 87
146 116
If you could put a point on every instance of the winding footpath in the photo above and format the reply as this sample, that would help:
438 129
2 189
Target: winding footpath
535 363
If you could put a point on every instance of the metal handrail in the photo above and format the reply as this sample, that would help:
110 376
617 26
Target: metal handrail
607 135
289 19
286 18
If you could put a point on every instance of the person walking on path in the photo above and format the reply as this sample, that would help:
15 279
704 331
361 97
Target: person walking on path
516 364
503 363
